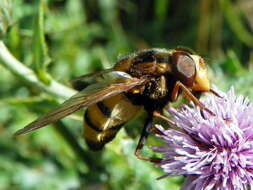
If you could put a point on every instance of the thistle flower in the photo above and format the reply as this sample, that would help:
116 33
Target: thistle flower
214 152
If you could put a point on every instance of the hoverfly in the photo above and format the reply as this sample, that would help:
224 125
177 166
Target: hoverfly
146 79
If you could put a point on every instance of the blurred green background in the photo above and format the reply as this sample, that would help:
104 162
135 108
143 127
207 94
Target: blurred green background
63 39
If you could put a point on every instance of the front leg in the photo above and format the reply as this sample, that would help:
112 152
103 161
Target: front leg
188 95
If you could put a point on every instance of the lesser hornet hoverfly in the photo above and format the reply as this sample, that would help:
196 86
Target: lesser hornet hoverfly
146 79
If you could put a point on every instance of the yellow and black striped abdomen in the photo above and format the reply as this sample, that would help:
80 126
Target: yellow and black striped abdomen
104 119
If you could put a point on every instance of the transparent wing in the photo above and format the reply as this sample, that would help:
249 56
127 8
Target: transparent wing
83 81
116 82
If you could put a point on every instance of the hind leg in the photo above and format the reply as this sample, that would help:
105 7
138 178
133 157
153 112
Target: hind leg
147 129
144 135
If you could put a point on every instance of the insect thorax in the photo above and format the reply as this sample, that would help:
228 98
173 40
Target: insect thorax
162 68
155 94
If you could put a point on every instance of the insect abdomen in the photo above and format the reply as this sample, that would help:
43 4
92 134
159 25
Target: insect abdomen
104 119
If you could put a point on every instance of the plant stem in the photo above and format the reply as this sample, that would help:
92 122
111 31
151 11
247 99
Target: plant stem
54 89
26 74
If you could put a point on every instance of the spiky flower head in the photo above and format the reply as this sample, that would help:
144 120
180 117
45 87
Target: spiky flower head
214 152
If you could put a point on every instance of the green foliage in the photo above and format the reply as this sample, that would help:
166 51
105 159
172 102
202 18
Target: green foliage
235 22
82 36
40 55
5 16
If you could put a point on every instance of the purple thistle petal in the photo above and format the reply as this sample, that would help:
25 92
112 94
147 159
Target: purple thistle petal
214 152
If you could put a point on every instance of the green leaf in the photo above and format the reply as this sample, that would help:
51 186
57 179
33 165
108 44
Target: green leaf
40 53
232 64
161 9
5 16
235 22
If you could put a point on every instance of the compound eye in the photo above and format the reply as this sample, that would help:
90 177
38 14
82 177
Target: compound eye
184 67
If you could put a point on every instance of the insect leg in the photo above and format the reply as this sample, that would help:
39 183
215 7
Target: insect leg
215 93
144 135
188 95
170 122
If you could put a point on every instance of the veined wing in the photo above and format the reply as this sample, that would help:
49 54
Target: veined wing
83 81
118 82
